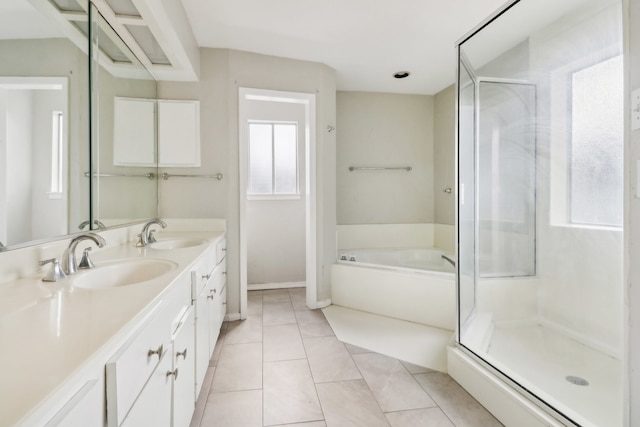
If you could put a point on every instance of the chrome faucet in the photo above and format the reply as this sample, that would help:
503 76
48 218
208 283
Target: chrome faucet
97 222
145 235
69 264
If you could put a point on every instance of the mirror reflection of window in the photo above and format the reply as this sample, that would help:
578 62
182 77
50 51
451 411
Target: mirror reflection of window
57 145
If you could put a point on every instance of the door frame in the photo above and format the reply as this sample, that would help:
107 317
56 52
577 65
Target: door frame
308 100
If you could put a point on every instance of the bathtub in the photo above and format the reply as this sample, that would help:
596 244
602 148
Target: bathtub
429 259
412 284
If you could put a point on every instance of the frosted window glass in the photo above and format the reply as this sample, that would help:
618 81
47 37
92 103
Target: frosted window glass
273 158
285 158
260 159
597 144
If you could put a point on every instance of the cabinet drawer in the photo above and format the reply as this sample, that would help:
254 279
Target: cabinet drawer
219 277
153 406
202 273
131 367
221 250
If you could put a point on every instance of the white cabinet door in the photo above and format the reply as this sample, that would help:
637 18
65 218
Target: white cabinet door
178 133
134 132
84 409
153 406
202 338
184 397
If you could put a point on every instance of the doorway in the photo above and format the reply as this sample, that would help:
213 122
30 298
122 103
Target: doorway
277 192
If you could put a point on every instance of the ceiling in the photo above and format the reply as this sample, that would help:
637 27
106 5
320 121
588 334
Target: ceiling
365 41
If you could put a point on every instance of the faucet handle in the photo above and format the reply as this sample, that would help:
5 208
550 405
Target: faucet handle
139 243
55 273
86 262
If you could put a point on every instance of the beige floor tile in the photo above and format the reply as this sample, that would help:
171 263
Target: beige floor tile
218 348
234 409
277 313
329 360
415 369
201 402
244 331
430 417
282 342
289 393
298 298
254 303
350 404
312 323
311 424
354 349
458 405
239 368
392 385
275 295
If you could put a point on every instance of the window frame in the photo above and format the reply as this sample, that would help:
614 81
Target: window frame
273 195
570 142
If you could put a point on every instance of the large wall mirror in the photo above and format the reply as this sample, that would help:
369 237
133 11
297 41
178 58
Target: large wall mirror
124 187
48 188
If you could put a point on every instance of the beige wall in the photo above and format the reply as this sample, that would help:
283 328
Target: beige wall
222 72
379 129
444 156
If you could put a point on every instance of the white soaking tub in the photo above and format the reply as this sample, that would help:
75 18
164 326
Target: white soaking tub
412 284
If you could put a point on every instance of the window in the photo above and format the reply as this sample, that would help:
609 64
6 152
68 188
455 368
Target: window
273 158
596 151
57 133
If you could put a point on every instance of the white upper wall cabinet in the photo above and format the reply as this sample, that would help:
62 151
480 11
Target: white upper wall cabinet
134 132
179 133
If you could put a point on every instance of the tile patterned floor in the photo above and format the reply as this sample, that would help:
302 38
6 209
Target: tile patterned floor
283 366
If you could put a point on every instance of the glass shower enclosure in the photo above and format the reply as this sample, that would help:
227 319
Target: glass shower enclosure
540 202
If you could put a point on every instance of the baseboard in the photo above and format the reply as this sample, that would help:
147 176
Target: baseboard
231 317
268 286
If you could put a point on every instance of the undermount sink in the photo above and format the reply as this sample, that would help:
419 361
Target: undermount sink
127 272
176 243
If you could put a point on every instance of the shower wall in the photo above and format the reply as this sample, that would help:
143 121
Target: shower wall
381 129
579 265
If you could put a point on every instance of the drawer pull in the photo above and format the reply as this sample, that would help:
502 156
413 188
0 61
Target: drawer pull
174 373
210 296
158 351
213 291
224 272
206 276
182 353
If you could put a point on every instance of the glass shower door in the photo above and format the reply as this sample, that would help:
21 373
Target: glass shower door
467 198
540 210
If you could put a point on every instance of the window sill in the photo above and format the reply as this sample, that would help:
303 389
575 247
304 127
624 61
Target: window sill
586 227
274 196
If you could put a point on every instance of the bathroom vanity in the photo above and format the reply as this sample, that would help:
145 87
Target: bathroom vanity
126 343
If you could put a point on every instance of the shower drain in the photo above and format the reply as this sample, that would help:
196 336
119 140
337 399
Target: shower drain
576 380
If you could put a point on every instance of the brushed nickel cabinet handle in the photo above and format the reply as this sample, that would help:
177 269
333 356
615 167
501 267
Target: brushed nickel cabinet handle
174 373
182 353
158 351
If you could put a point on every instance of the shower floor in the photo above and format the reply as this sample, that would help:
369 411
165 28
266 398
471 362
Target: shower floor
541 359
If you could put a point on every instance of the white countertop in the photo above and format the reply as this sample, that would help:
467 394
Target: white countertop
51 330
